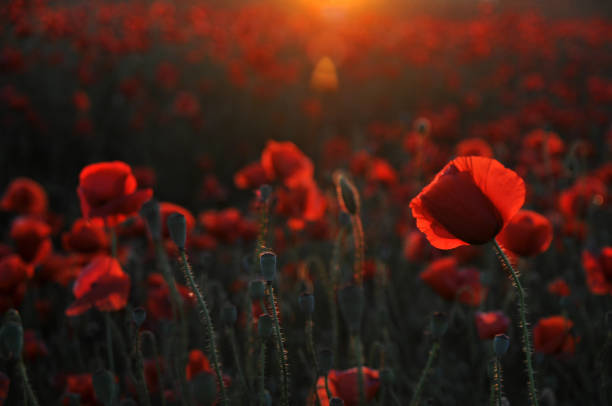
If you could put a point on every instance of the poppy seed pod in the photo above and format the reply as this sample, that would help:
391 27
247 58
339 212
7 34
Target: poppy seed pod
229 314
326 360
348 198
307 303
257 289
336 402
151 214
11 339
264 326
177 226
439 325
139 315
501 342
351 301
204 386
104 386
267 263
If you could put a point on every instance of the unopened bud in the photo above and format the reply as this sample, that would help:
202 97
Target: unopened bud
347 194
152 217
501 342
439 325
177 226
139 315
11 339
267 263
264 192
351 301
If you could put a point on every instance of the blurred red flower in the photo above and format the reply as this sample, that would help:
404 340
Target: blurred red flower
489 324
14 273
251 176
283 161
86 237
559 287
108 190
526 234
197 363
227 225
575 201
344 385
158 299
598 268
82 385
33 347
469 202
32 239
24 196
474 147
301 203
552 336
61 269
452 283
102 284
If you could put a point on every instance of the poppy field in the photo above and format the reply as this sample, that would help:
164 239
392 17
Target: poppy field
306 202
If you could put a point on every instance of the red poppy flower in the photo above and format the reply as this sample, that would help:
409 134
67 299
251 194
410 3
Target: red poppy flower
552 336
86 237
197 363
526 234
61 269
474 147
490 324
380 172
166 209
469 202
416 247
102 284
225 225
145 177
598 268
25 196
14 274
301 203
82 385
108 190
452 283
575 201
344 385
158 297
559 287
32 239
251 176
283 161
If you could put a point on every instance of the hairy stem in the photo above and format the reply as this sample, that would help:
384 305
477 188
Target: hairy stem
430 359
29 392
280 348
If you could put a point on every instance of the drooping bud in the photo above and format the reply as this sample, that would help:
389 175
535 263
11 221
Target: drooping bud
105 387
152 217
139 315
307 303
439 325
229 314
265 326
348 198
267 263
351 301
326 360
501 342
177 226
204 387
257 289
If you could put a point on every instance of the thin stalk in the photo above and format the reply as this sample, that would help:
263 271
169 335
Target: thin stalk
205 315
359 358
30 397
498 380
308 330
262 374
143 391
523 313
358 240
109 342
430 359
280 347
232 337
160 379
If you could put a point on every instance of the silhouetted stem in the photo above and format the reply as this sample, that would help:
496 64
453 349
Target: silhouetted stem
109 342
498 381
234 345
262 374
523 313
359 358
143 391
280 348
430 359
29 392
205 314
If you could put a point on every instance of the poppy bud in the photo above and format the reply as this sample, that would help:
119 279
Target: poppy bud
104 386
139 315
152 217
264 326
501 342
347 194
336 402
387 377
204 387
257 289
326 360
307 303
229 314
267 263
264 192
351 301
177 226
11 339
439 325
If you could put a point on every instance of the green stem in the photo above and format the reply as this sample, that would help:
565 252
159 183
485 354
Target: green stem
523 313
359 358
498 381
143 391
232 337
308 330
419 388
262 374
109 342
329 394
30 396
280 347
205 314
